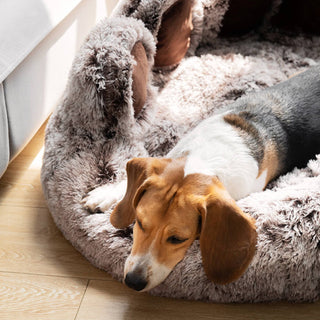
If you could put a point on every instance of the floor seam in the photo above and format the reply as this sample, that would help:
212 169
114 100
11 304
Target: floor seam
84 293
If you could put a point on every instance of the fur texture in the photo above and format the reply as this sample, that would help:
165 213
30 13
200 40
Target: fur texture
212 152
93 133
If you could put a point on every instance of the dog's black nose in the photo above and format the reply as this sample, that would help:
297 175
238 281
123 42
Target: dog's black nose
135 281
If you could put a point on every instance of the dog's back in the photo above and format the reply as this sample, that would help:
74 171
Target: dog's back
289 114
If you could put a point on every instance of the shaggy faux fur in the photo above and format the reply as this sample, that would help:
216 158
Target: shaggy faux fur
93 133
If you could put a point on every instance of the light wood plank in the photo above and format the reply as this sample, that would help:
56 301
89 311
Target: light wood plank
31 243
20 185
24 190
36 143
110 300
39 297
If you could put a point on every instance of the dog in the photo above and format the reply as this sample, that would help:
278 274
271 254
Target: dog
191 194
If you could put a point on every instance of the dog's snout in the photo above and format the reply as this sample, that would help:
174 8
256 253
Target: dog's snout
135 281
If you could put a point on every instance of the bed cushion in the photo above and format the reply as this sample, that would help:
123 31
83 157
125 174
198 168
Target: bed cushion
96 130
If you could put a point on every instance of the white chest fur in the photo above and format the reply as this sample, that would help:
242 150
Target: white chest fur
214 147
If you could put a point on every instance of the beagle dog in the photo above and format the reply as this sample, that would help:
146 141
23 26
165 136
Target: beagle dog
192 192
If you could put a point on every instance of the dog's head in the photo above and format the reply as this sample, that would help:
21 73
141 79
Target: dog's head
171 210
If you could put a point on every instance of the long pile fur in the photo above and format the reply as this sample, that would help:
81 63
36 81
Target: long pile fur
93 133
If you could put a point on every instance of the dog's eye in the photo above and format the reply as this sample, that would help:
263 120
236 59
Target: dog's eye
140 225
175 240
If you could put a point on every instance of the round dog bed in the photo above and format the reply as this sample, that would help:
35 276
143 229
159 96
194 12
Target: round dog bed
145 77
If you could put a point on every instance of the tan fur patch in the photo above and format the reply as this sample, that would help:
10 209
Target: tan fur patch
270 162
241 124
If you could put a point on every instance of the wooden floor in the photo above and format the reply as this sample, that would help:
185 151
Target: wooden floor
43 277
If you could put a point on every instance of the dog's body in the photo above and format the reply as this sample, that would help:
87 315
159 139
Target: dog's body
258 137
192 193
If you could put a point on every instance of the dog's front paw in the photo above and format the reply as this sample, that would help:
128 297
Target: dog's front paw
102 198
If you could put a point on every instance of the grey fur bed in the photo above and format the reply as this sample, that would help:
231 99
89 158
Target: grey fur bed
97 128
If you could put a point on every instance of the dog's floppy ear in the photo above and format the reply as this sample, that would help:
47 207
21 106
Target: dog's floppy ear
124 213
228 238
138 171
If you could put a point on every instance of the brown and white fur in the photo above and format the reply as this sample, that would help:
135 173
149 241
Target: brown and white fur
191 193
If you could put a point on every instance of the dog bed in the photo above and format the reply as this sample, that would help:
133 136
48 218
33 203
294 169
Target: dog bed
145 77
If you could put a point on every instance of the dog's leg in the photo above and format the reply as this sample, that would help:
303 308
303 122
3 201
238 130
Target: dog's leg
103 197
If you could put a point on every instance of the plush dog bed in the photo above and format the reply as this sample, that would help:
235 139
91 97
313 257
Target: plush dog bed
145 77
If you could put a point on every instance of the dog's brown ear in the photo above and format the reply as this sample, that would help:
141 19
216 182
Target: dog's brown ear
124 213
138 171
228 238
